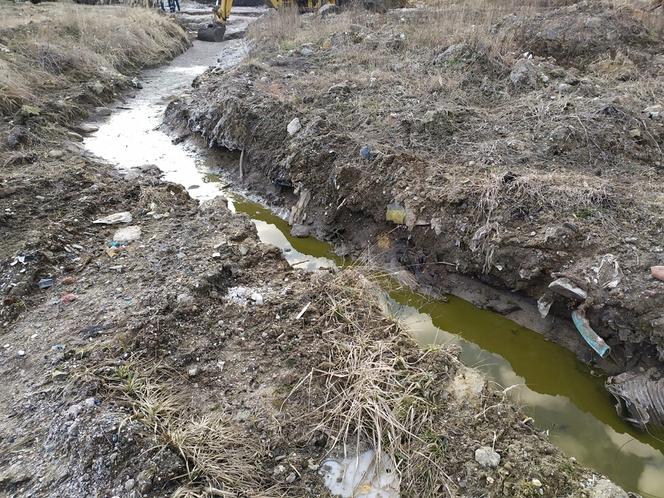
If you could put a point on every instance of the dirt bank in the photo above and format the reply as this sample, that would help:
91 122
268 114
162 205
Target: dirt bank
516 146
173 354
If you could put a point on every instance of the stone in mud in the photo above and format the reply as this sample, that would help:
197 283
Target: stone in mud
85 128
300 231
566 288
657 272
487 457
294 126
328 9
524 73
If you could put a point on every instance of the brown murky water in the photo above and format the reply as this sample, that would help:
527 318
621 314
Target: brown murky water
561 394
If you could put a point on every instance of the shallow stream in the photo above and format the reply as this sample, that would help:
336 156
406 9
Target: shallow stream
560 393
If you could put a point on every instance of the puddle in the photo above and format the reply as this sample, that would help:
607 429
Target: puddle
559 392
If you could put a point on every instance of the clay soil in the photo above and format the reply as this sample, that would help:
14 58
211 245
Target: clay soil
193 361
519 143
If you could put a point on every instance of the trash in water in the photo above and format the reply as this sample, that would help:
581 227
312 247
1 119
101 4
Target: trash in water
395 213
127 234
45 283
361 476
113 219
589 335
639 397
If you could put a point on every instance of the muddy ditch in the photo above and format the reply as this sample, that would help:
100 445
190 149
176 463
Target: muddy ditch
197 359
564 397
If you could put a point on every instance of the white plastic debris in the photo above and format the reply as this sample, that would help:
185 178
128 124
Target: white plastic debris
361 476
127 234
544 305
114 219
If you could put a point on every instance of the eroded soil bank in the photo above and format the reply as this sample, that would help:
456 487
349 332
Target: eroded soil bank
174 354
517 146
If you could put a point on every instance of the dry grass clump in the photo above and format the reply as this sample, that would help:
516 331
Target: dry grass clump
77 43
285 29
218 456
377 388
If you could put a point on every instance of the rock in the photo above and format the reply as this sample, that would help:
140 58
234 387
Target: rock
20 352
565 88
453 54
291 478
185 299
127 234
136 84
524 73
566 288
299 230
606 489
193 372
56 153
17 135
278 470
113 219
129 485
102 111
306 51
327 10
85 128
97 87
536 482
487 457
635 133
294 126
657 272
74 411
338 89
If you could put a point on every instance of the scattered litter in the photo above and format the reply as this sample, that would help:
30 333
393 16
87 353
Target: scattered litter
127 234
113 219
20 352
565 287
544 305
245 295
303 311
639 397
257 298
395 213
589 335
45 283
365 152
362 476
608 272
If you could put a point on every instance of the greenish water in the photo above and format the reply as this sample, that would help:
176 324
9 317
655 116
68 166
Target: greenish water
554 388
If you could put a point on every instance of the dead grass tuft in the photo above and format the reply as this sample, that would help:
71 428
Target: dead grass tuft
374 390
218 456
69 44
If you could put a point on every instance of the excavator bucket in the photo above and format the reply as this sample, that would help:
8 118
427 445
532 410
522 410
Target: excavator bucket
212 32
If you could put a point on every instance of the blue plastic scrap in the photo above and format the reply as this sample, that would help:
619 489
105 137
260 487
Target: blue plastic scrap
589 335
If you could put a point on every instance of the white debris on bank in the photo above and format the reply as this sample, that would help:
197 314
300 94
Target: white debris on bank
361 476
246 295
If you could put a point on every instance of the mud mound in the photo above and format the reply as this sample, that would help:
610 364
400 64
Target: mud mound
581 33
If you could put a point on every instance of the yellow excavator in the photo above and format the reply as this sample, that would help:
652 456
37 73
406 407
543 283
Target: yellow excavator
214 32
